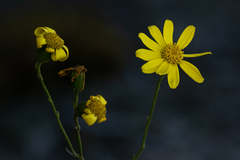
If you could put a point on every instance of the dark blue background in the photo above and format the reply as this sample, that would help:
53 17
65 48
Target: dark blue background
193 122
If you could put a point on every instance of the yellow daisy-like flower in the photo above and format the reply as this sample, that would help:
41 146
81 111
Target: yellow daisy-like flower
95 110
55 45
164 56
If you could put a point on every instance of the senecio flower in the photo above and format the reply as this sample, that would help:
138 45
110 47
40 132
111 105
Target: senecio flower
95 110
164 55
55 45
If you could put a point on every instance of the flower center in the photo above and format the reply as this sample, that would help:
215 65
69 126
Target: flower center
53 40
172 54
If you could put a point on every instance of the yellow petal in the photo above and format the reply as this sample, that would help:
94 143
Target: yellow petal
50 50
157 35
49 30
67 53
87 111
58 55
186 37
40 42
191 71
173 77
40 31
103 101
102 120
151 66
168 32
163 68
147 55
196 54
89 119
149 43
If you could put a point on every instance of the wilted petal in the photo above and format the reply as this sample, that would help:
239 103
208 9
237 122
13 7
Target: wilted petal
50 30
40 31
40 42
147 55
151 66
50 50
60 54
149 43
186 37
67 53
102 100
191 71
196 54
168 32
173 76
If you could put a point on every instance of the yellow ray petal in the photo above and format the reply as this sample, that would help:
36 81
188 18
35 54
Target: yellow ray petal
151 66
67 53
157 35
196 54
40 42
147 55
40 31
58 55
50 50
49 30
168 32
191 71
173 77
102 120
149 43
89 119
163 68
186 37
103 101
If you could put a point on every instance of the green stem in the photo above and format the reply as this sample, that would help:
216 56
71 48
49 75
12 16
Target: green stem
78 128
149 119
57 115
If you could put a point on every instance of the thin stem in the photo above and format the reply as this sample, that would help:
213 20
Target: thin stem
78 128
57 115
149 119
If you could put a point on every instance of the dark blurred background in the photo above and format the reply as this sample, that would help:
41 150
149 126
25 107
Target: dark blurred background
193 122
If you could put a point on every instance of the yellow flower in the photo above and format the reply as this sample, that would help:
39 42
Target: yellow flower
55 45
164 56
95 110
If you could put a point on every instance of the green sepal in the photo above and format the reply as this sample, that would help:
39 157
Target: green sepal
42 55
80 109
78 82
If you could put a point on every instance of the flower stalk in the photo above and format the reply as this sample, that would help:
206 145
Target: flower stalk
78 128
56 113
149 119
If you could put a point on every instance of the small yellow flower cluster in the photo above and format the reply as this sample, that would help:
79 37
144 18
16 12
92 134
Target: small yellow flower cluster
95 110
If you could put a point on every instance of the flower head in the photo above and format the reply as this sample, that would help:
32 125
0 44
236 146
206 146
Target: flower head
95 110
55 45
164 56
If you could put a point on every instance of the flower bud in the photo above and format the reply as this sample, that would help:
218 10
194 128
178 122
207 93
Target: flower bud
77 77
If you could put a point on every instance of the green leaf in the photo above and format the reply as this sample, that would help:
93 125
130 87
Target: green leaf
43 56
80 109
